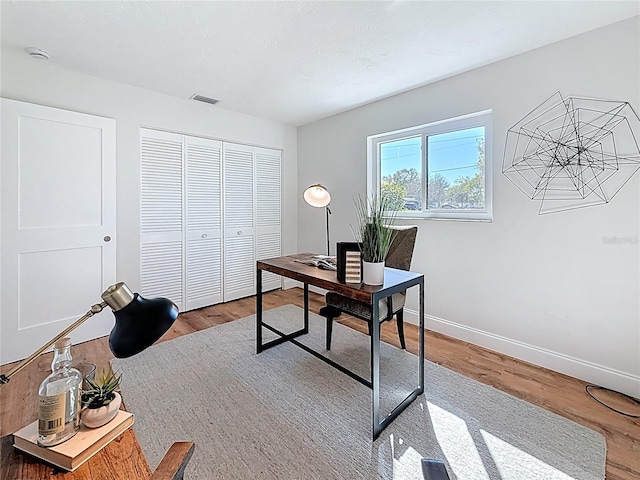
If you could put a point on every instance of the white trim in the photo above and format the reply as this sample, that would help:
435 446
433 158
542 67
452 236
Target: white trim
575 367
289 283
441 126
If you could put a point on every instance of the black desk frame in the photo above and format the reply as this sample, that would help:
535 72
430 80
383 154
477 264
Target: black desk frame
376 295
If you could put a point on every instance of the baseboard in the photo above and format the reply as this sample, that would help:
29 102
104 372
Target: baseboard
582 369
288 283
558 362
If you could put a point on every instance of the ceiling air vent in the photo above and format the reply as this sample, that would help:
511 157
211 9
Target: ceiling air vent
37 53
202 98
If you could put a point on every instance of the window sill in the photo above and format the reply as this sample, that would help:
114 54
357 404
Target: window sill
478 217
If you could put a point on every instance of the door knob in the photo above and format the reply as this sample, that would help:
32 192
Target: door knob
107 238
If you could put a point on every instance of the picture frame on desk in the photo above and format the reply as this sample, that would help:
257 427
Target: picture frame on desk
348 262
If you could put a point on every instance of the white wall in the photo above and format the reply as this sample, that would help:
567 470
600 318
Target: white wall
547 289
42 83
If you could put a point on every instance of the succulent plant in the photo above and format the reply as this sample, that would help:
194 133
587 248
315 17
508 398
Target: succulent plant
101 390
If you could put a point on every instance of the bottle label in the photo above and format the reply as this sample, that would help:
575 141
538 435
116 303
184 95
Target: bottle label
51 412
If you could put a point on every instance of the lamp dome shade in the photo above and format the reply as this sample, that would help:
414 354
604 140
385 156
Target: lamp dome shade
317 195
140 323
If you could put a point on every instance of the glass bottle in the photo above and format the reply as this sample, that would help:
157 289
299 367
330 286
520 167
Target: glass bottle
59 402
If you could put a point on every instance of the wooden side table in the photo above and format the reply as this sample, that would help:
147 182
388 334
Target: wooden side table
121 459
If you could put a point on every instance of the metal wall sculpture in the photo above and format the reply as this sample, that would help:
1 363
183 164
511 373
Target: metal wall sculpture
573 152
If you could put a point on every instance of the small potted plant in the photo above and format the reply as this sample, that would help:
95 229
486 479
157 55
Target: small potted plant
101 402
374 235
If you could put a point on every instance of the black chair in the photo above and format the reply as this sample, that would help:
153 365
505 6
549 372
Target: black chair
399 256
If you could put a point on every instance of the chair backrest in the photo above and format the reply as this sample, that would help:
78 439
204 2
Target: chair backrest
401 249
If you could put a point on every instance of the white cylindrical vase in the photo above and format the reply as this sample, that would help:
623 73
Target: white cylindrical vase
373 273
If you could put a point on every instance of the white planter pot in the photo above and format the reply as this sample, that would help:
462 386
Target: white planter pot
373 273
96 417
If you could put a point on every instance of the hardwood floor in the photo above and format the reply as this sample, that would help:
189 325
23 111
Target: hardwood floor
550 390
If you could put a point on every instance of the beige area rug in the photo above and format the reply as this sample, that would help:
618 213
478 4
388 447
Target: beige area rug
284 414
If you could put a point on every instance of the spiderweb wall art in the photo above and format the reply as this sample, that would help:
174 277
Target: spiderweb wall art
573 152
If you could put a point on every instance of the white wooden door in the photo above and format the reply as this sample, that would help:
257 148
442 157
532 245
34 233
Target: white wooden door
161 216
268 211
239 234
204 222
58 238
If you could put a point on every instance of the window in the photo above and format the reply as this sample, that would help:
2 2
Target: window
439 170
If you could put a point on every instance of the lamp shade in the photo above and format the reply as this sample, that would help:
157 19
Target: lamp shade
317 195
139 321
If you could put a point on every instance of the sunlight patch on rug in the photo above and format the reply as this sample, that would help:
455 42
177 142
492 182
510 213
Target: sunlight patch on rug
456 442
506 456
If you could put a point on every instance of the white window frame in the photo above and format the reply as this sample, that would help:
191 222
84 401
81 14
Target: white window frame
479 119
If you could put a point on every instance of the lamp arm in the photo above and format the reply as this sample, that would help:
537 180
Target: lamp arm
97 308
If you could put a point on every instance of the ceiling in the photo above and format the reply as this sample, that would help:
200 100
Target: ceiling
292 62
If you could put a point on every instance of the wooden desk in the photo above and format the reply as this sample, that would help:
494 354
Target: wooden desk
394 281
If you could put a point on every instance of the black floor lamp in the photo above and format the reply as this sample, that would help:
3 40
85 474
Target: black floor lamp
317 195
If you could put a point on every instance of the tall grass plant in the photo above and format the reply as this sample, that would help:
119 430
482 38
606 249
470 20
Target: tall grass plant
372 232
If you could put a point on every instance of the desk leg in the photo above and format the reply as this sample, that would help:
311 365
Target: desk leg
306 308
282 337
375 366
258 310
421 339
379 426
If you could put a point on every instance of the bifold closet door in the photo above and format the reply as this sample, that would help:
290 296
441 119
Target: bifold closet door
209 209
161 216
204 222
268 211
239 234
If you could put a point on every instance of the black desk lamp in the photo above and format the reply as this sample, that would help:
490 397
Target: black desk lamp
139 323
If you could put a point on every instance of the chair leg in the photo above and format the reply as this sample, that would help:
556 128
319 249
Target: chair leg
329 332
329 313
400 325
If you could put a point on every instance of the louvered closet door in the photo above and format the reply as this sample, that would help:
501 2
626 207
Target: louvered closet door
239 257
204 225
161 216
268 211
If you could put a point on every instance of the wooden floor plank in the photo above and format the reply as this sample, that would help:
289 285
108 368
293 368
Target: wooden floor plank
550 390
